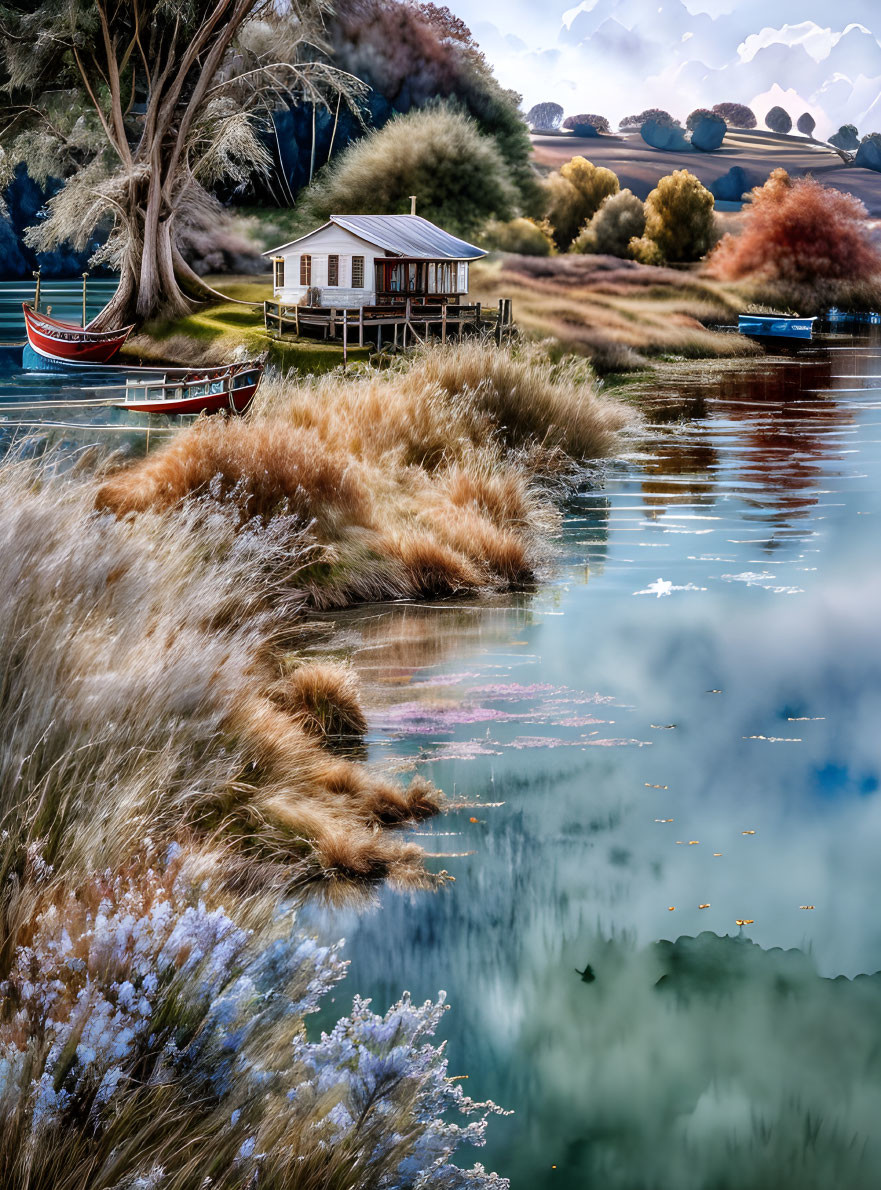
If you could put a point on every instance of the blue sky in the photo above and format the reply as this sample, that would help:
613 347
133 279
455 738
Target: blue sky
617 56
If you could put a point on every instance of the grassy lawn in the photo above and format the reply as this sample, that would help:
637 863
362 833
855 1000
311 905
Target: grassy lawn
214 332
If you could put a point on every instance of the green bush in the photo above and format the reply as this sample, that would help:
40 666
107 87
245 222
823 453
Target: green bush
523 236
575 194
458 176
680 225
620 219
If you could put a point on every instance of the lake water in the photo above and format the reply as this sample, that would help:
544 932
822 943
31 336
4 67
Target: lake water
663 770
679 732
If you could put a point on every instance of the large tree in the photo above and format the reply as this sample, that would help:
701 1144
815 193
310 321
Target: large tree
143 106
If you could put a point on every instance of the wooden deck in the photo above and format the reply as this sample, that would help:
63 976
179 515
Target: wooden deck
399 326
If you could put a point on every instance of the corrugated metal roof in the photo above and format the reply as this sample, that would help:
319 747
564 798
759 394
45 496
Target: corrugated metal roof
408 235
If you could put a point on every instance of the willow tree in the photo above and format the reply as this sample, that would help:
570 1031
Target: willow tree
143 107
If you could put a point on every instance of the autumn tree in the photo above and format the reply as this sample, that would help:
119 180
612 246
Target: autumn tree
679 225
801 231
575 193
143 106
620 219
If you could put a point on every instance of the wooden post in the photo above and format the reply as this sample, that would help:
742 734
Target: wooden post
479 315
396 335
444 323
297 321
501 321
360 326
280 322
85 275
345 338
407 310
37 291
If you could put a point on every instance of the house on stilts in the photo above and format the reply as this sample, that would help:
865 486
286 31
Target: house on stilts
385 279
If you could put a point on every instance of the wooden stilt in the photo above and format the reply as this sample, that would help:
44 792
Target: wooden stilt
345 338
297 320
444 323
360 326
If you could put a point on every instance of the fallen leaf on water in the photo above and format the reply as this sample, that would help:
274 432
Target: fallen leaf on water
474 820
744 921
717 853
671 908
654 786
747 832
662 726
806 906
693 842
680 842
663 820
714 692
704 906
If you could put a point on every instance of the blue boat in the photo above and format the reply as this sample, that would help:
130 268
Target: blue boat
851 317
775 326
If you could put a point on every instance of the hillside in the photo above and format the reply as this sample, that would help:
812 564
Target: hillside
757 152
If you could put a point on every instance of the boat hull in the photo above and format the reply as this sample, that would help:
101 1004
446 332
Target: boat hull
237 402
768 327
65 343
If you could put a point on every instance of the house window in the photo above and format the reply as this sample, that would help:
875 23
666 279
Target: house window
333 270
278 272
357 272
305 270
462 280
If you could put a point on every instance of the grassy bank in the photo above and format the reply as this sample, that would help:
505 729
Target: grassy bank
618 313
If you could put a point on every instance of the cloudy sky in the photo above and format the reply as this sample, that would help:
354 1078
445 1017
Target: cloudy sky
617 56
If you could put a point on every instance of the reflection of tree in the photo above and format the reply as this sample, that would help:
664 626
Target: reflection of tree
781 444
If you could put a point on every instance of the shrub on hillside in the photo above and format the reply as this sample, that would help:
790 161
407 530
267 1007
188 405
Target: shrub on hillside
847 137
651 113
620 219
575 193
586 124
680 225
411 55
708 133
699 113
778 119
806 124
544 117
523 236
799 231
438 154
736 115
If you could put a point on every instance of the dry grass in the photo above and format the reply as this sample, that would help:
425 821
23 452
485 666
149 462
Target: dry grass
325 699
617 313
141 660
432 479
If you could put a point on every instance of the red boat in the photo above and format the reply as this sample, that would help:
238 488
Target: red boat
204 390
67 343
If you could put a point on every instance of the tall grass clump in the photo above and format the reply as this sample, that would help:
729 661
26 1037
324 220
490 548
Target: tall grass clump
140 663
434 478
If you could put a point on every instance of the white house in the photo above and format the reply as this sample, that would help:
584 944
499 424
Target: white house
367 260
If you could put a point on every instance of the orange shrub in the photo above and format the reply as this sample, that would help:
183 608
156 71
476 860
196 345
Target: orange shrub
799 231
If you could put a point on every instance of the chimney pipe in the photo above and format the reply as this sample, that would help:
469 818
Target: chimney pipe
412 204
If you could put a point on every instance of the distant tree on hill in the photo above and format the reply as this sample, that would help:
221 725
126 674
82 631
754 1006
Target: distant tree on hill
585 120
544 117
806 124
575 193
799 231
736 115
699 113
847 137
651 113
620 219
680 225
778 119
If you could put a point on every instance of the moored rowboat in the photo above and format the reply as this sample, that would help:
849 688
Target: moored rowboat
775 326
204 390
66 343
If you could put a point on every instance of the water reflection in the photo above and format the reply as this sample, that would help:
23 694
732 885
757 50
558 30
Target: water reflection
737 781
